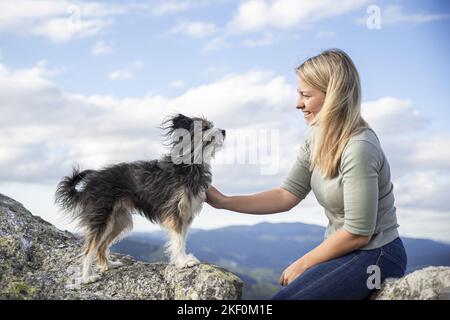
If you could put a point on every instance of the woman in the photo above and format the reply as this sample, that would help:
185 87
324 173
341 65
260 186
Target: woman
343 163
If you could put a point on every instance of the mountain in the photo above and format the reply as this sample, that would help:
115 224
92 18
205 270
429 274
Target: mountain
425 252
258 253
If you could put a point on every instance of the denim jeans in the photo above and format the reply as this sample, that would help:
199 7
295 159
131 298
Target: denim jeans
347 277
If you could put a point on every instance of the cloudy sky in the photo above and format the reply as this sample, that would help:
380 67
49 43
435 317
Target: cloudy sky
88 83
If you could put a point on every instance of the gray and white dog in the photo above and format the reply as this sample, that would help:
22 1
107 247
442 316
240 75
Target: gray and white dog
169 191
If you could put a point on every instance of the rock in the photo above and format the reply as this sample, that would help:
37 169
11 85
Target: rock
430 283
39 261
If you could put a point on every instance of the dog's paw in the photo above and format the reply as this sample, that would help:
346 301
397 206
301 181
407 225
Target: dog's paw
114 264
90 279
109 265
192 260
187 261
103 268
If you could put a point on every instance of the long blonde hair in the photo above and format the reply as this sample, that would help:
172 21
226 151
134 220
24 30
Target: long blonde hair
333 73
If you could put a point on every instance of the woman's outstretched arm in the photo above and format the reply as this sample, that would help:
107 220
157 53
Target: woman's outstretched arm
267 202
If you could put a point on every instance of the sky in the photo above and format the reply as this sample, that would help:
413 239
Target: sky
88 83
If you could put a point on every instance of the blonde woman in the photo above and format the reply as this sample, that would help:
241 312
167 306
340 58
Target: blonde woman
343 163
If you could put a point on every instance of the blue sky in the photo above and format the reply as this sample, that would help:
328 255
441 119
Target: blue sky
89 81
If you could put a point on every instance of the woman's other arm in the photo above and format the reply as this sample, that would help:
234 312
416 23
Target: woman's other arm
337 245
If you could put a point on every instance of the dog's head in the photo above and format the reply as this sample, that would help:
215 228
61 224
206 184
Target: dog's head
193 140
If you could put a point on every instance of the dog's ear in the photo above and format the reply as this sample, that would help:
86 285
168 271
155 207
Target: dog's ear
180 121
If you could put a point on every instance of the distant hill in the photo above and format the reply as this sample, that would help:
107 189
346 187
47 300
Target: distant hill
260 252
425 252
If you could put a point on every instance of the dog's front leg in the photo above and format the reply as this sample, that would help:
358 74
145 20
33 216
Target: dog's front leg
176 249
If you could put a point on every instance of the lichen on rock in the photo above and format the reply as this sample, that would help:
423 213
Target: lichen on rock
39 261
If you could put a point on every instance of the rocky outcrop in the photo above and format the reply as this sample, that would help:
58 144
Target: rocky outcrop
430 283
39 261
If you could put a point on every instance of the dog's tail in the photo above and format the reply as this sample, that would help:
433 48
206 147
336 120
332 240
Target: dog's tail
67 196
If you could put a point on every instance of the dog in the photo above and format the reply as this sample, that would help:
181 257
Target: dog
169 191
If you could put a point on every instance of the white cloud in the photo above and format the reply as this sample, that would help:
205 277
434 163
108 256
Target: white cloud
394 14
419 159
126 72
256 15
251 15
432 151
56 20
195 29
426 189
167 7
61 29
101 48
420 223
392 115
120 74
49 130
215 43
252 90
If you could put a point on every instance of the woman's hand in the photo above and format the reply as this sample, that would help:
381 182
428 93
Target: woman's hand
214 198
292 272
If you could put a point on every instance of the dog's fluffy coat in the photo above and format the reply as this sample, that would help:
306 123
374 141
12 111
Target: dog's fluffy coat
167 193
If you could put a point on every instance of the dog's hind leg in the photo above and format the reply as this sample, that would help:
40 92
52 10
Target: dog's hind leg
94 238
120 222
89 256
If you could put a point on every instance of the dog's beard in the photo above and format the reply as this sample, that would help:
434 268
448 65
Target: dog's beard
215 141
209 152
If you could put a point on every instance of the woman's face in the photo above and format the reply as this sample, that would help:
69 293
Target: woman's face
310 100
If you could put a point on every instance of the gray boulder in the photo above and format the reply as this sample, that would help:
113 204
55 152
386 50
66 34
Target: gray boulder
39 261
431 283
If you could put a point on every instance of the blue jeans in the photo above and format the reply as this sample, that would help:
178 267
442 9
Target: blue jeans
347 277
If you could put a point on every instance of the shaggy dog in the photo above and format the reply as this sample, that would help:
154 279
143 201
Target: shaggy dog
169 191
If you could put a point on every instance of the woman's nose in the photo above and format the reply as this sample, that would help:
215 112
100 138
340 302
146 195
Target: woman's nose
300 104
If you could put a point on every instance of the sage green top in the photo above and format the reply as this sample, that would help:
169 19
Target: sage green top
360 197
